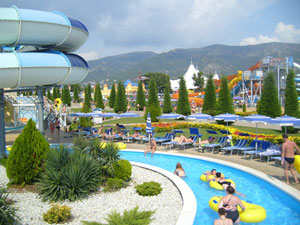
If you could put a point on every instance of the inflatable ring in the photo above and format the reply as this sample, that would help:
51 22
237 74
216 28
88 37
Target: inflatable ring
120 145
57 103
203 177
8 148
214 184
103 144
252 214
297 163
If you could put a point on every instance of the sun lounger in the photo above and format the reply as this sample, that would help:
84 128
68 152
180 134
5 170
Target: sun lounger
168 137
272 151
254 145
239 143
221 142
185 144
264 146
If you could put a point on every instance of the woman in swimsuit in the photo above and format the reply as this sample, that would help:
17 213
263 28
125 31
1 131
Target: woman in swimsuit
230 203
225 184
184 139
223 220
179 171
151 146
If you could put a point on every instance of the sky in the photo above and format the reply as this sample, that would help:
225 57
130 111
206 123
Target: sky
121 26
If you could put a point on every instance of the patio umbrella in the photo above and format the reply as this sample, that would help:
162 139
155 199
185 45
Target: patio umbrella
285 121
128 114
80 114
148 124
200 116
227 117
256 118
170 116
103 115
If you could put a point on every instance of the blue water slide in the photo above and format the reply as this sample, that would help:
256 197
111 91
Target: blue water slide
53 36
236 89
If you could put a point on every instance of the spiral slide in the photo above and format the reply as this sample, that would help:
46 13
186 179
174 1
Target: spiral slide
38 46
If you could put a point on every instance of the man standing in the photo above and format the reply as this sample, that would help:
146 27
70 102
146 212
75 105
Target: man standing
288 157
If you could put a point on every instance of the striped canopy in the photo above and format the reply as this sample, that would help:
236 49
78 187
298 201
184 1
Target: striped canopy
148 124
170 116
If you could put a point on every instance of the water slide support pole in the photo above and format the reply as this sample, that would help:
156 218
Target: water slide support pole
2 125
278 82
40 109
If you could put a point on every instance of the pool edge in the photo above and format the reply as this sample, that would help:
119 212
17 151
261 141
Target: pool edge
189 208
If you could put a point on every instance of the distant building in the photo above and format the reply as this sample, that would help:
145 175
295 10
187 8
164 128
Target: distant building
188 77
130 87
106 91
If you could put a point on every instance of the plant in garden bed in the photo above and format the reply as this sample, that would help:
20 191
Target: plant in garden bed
148 188
122 169
57 214
131 217
69 175
25 160
114 184
7 211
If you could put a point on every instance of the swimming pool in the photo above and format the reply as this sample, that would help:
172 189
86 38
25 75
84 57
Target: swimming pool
281 208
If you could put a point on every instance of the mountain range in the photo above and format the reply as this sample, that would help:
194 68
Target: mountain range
221 58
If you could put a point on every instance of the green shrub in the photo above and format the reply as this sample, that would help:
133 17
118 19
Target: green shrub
69 176
131 217
26 158
7 211
57 214
113 184
80 143
122 169
148 188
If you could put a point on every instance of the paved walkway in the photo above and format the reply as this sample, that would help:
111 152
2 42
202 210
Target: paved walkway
268 168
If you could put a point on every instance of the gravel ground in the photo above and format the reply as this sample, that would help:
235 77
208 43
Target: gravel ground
168 203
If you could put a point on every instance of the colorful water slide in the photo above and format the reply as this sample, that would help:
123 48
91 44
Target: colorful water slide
51 35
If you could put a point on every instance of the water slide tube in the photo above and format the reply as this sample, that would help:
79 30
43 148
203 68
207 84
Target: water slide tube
52 33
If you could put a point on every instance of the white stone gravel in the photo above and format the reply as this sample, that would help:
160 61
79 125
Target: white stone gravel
168 203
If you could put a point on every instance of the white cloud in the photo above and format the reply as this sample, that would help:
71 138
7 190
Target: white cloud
282 33
89 55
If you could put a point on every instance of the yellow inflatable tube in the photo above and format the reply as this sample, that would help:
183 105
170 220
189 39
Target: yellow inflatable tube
57 103
297 163
120 145
214 184
103 144
203 177
252 214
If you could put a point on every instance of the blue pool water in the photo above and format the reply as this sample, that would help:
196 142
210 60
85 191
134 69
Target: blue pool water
281 208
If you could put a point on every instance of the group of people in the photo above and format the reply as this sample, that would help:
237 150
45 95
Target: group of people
228 204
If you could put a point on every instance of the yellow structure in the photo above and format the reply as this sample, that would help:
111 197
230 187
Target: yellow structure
106 91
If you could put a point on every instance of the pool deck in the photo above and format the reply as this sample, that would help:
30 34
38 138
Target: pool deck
270 169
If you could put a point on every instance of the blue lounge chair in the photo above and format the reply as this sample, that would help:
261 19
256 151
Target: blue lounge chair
264 146
239 143
168 137
254 145
221 142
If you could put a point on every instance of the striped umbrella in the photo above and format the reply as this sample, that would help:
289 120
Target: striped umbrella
148 124
285 121
200 116
170 116
256 118
129 114
227 117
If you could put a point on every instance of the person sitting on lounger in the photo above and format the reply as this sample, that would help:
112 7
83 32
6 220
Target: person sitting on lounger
137 134
151 147
208 141
184 139
179 171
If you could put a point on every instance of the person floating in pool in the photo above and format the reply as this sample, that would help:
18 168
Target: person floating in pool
225 184
230 202
208 173
223 220
288 157
179 171
151 147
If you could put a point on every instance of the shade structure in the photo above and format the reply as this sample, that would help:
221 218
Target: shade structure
80 114
170 116
257 119
200 116
285 121
227 117
128 114
148 124
297 124
103 115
